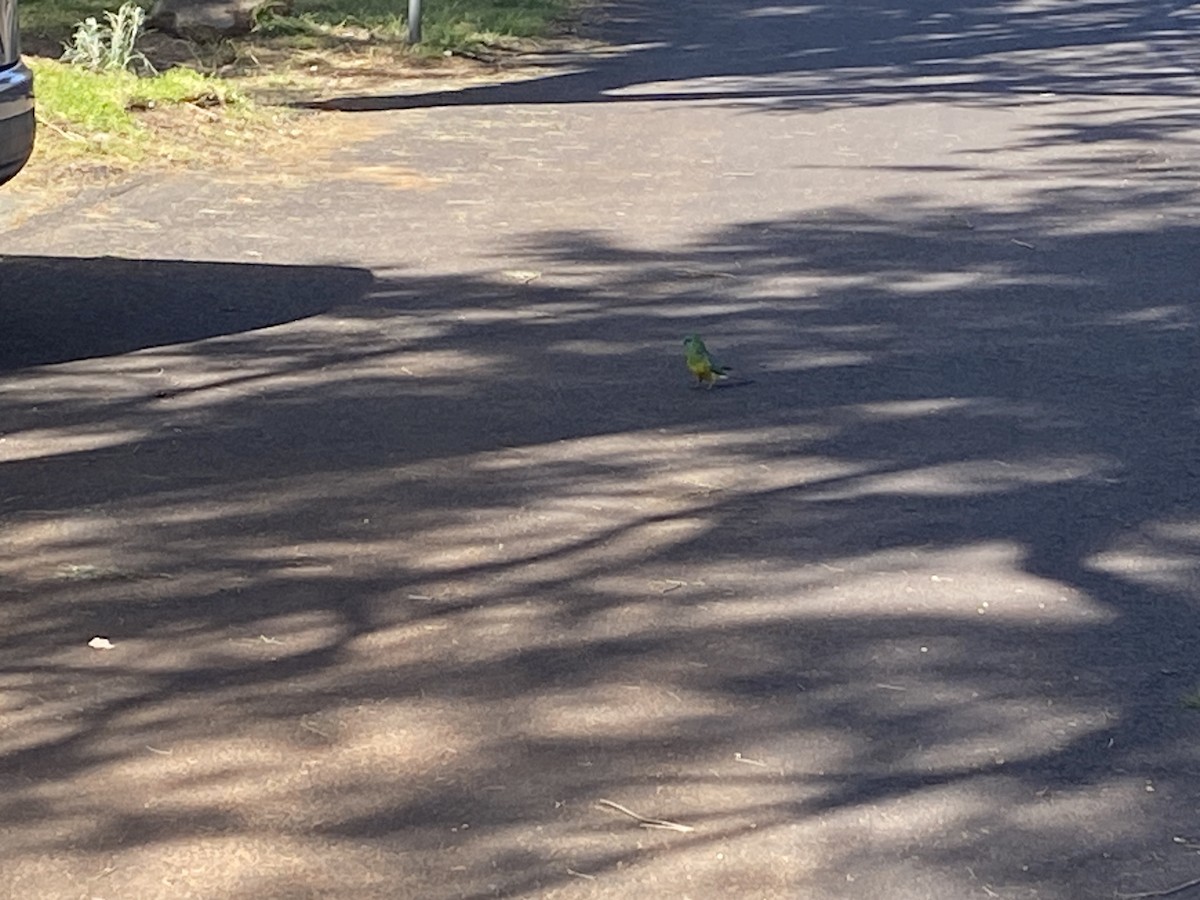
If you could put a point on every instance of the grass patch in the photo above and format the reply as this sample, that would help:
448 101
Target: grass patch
114 121
94 106
445 24
103 116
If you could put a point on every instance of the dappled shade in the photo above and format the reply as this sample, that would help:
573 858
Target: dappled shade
941 550
406 572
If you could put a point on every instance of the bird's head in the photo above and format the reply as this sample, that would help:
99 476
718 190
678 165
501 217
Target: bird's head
690 339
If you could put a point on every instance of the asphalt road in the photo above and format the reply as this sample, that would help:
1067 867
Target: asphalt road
426 575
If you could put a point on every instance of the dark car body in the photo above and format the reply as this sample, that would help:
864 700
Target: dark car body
16 96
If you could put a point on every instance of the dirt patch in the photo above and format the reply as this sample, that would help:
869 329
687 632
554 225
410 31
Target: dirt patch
187 135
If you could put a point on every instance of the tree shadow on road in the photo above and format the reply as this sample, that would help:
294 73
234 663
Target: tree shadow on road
820 56
404 575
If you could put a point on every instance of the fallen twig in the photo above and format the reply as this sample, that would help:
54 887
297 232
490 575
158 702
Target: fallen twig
645 821
308 726
69 135
1165 892
203 110
737 757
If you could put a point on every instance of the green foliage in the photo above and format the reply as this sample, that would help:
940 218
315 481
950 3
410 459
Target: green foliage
446 24
82 100
182 85
97 111
455 23
55 20
111 47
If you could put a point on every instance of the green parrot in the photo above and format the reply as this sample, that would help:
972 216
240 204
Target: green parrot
701 364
